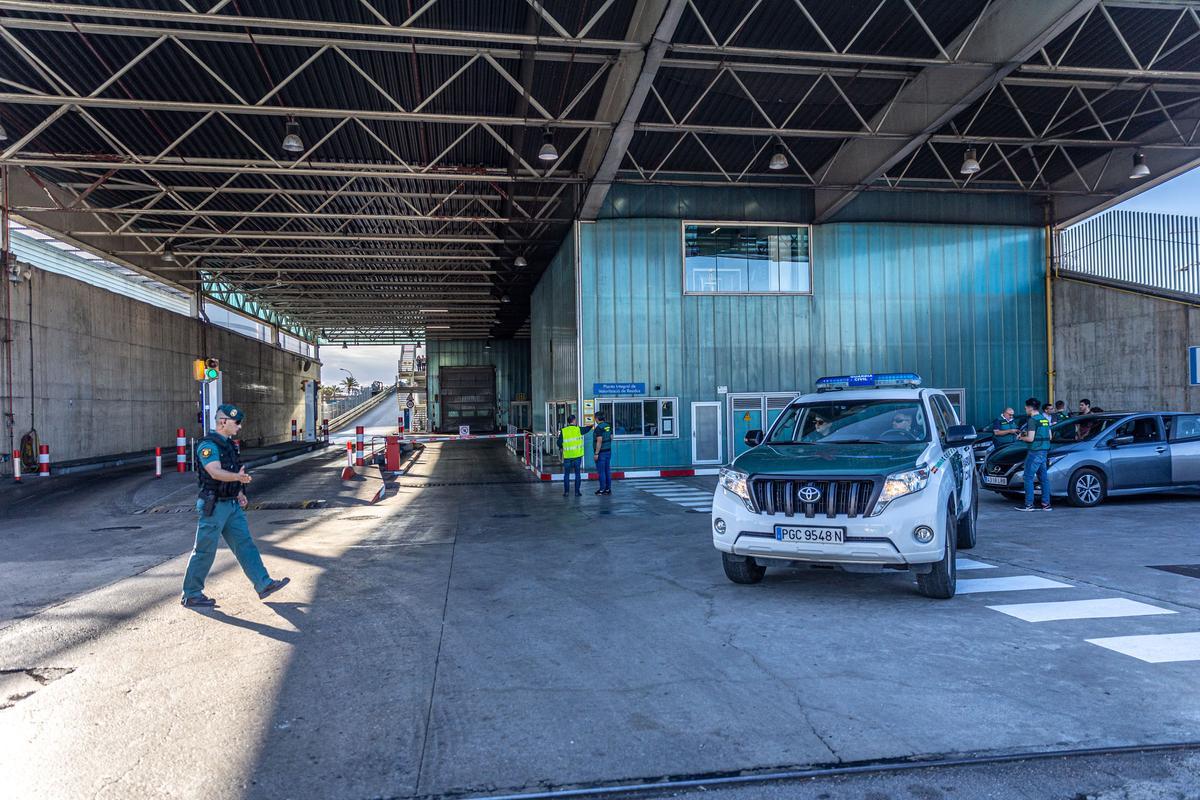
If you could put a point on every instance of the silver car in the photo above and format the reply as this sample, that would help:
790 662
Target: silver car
1094 456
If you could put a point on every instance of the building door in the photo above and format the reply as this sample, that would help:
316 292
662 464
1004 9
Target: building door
468 397
706 433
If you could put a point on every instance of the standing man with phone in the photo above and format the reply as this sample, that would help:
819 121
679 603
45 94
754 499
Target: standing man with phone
221 507
1036 434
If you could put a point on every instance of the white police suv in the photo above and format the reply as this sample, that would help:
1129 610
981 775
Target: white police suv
870 473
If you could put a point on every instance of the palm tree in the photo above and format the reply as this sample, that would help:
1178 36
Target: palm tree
351 384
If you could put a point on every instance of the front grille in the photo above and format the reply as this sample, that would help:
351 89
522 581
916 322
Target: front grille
849 498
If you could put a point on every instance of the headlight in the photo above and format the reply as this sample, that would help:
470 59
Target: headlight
736 483
899 484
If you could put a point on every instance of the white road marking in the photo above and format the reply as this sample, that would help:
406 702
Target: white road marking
1012 584
967 563
1155 648
1080 609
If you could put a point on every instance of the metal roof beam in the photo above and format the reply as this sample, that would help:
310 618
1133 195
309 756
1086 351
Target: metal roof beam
342 114
326 27
1108 176
151 211
1011 32
300 41
229 166
653 25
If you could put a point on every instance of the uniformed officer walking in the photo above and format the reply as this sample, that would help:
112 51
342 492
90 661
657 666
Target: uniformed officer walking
1036 434
220 505
602 437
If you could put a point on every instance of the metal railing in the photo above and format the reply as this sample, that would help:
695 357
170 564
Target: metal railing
1134 248
340 406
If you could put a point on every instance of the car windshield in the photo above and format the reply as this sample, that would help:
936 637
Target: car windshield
851 421
1081 429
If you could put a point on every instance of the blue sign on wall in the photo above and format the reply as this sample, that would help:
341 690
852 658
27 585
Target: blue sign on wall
618 389
1194 366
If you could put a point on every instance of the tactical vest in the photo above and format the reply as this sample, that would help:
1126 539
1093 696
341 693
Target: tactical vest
606 434
230 461
572 437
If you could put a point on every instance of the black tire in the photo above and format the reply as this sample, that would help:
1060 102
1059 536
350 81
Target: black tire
1086 488
968 523
942 581
745 571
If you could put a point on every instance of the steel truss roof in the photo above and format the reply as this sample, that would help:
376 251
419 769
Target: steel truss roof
147 126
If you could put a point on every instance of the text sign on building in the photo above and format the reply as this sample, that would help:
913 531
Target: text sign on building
1194 366
618 389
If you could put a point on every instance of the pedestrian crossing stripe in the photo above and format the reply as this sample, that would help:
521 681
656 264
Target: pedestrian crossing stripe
1105 608
1159 648
1011 584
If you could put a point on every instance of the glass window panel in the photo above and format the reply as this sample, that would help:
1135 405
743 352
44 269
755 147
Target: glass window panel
746 258
627 418
650 418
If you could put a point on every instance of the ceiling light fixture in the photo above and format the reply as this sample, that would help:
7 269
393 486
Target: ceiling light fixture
970 163
3 133
548 152
1140 170
778 159
520 262
504 298
292 141
168 255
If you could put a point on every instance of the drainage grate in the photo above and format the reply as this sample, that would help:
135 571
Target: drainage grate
288 521
359 518
508 516
1187 570
118 528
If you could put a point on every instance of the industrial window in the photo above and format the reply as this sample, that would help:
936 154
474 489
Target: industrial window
744 258
641 417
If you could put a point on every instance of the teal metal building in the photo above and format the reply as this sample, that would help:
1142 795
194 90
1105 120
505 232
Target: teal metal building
689 336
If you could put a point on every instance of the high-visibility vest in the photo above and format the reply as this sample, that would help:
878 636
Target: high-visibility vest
572 438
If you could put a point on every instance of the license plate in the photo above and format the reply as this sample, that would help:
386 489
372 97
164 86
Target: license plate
810 534
995 480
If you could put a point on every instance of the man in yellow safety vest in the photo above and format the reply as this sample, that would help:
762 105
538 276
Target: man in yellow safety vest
570 442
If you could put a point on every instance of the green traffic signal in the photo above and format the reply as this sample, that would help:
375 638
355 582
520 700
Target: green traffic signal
210 374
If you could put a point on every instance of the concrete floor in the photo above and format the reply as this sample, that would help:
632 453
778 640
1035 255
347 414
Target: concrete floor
478 633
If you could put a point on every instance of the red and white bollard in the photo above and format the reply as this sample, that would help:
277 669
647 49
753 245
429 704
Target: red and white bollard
180 450
17 466
158 462
44 460
293 430
359 432
325 429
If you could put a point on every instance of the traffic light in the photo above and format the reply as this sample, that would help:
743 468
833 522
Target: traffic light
206 369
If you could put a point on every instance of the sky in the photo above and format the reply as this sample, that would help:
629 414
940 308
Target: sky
378 363
367 363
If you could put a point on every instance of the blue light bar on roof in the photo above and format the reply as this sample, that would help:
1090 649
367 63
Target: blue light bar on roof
909 379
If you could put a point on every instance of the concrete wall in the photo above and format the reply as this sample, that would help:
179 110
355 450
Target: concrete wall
108 374
1121 350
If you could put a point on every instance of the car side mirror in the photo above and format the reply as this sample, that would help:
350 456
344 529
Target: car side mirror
960 435
754 438
1120 441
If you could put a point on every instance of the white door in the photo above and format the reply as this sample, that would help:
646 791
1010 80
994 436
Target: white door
706 433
